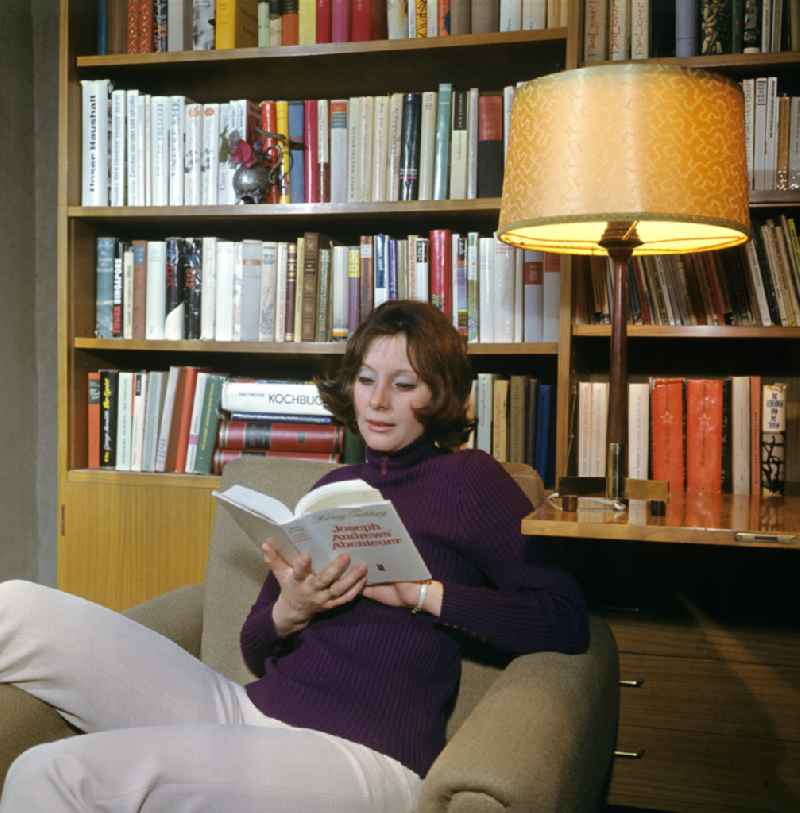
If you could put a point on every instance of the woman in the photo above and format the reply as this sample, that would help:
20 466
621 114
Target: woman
354 683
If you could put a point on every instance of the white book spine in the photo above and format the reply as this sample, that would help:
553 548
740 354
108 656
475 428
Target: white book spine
118 136
339 293
225 169
772 133
395 147
208 298
131 150
619 36
166 419
147 149
748 91
94 165
433 18
397 13
209 165
224 301
503 281
534 14
754 268
323 145
380 147
472 143
740 435
518 300
192 154
422 272
203 25
551 297
794 143
533 271
485 401
177 149
459 147
127 293
353 148
139 417
510 15
280 291
159 150
152 418
251 253
585 429
486 283
427 144
286 397
597 427
142 150
638 430
508 106
124 418
366 142
269 279
238 278
339 150
473 285
156 302
263 24
179 25
640 29
760 135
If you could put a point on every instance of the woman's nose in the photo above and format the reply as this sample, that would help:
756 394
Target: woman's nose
379 396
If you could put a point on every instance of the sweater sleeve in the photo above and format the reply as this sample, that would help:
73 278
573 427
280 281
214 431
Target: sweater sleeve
525 604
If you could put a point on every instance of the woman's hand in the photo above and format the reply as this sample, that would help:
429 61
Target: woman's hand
305 593
406 594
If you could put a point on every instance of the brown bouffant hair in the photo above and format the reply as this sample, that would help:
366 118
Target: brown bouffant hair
437 354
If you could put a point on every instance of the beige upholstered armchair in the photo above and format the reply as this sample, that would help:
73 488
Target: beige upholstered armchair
535 736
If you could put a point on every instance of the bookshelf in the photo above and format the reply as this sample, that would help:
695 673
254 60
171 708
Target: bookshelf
123 536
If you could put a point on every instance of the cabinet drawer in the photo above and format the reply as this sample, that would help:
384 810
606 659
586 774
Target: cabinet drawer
717 697
688 772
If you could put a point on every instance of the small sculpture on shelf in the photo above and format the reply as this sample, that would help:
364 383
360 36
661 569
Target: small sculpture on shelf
262 167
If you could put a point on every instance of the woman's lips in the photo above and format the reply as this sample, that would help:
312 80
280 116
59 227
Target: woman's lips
379 426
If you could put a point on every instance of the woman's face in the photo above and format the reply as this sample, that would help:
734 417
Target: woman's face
385 393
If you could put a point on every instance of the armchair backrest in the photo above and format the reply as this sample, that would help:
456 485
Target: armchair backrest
236 569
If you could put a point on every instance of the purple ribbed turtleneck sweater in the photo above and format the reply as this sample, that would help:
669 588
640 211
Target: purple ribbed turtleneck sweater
380 676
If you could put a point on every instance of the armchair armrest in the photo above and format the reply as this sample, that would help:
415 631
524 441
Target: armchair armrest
178 615
541 739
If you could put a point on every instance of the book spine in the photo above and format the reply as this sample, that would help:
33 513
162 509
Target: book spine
174 319
108 418
459 146
285 397
773 439
340 20
323 151
297 148
222 457
93 398
704 402
339 301
95 94
397 19
291 291
339 151
140 380
490 145
485 15
323 21
640 29
595 32
441 270
668 432
280 436
353 289
192 266
132 27
176 145
269 278
104 290
207 428
282 121
619 37
751 34
310 286
410 146
716 28
280 291
311 124
322 327
147 27
124 418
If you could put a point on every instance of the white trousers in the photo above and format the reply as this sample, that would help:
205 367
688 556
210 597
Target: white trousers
166 732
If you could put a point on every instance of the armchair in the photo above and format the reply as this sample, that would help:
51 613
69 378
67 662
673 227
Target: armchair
537 735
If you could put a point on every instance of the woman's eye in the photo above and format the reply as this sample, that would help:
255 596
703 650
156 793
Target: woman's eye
364 379
406 386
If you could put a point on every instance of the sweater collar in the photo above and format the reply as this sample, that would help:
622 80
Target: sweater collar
420 449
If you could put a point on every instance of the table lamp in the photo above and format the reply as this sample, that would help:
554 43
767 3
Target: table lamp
623 160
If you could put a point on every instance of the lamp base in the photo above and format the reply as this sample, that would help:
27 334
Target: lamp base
615 471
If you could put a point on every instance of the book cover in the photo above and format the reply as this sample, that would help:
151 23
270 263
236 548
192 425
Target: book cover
353 518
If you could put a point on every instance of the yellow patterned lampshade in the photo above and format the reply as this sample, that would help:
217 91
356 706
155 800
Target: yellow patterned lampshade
658 147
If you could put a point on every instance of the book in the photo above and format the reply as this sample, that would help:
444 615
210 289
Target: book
349 517
490 145
264 395
773 439
96 107
704 410
280 436
93 420
236 24
595 31
667 435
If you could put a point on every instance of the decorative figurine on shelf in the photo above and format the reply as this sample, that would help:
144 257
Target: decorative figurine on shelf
261 166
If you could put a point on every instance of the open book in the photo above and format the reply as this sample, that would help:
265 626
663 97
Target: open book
346 517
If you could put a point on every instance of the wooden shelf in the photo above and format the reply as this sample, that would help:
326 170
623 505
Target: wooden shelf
140 478
691 332
734 64
293 348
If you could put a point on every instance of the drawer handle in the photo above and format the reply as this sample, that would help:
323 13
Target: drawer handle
629 754
632 684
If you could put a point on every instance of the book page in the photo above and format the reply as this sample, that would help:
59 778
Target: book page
334 495
256 502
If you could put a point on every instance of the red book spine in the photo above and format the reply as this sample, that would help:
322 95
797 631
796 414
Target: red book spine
441 270
310 155
290 23
132 27
147 26
361 21
704 435
340 20
323 21
280 436
490 145
93 422
668 432
224 456
181 418
269 124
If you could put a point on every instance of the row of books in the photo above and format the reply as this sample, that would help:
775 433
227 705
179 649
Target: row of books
190 420
757 284
142 26
516 421
772 131
733 435
313 289
149 150
641 29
